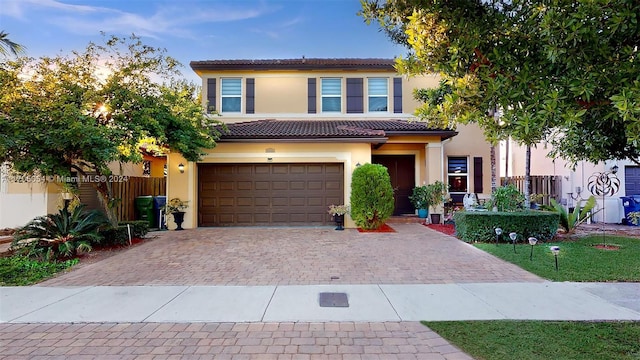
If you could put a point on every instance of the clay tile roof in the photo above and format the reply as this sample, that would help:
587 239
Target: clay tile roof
323 130
294 64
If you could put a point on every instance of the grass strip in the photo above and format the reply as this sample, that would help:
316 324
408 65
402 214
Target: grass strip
20 270
534 340
578 260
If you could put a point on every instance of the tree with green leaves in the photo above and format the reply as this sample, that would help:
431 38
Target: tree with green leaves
9 47
79 113
562 72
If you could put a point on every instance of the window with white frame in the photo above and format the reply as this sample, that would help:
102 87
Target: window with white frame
331 91
378 93
458 174
231 95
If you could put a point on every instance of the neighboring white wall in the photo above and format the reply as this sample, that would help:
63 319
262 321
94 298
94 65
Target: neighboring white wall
572 179
18 209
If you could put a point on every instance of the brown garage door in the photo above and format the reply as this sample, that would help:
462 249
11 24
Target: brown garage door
268 194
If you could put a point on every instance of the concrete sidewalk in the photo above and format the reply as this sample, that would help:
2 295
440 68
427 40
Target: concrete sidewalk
299 303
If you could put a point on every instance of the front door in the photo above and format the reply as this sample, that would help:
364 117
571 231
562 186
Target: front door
402 172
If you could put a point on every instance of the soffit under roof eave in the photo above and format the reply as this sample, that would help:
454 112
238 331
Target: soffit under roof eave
444 135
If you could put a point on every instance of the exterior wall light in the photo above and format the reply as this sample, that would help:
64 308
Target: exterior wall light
181 168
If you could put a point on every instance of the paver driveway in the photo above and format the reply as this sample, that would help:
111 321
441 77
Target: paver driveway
285 256
266 256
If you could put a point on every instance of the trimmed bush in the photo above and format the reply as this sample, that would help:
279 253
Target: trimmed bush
120 235
481 225
507 198
372 200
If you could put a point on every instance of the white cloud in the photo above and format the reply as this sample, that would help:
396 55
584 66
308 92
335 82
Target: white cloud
164 20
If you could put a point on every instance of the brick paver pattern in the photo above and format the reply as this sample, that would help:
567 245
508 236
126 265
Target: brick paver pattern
340 341
414 254
265 256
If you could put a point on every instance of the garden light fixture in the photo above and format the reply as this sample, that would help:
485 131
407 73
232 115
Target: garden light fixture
514 237
498 233
555 250
532 242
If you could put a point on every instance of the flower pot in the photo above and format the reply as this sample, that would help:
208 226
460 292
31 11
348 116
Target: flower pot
178 218
339 219
422 213
435 218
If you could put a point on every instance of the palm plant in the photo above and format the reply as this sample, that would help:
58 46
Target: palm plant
7 46
60 235
569 221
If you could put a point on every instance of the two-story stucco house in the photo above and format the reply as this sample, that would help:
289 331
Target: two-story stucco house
298 128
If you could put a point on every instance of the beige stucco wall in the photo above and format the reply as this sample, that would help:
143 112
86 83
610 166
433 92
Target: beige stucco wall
184 185
21 202
283 94
470 142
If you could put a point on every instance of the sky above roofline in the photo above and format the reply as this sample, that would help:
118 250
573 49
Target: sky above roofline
196 30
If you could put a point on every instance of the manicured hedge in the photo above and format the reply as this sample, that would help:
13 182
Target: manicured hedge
120 235
481 225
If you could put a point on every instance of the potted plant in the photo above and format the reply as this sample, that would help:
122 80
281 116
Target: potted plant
435 195
338 212
420 200
176 208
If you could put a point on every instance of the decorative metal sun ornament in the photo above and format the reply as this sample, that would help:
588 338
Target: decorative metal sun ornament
604 184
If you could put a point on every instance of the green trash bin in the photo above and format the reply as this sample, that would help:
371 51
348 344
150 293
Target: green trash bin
144 209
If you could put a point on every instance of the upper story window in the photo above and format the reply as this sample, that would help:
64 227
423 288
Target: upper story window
331 91
458 175
378 92
231 96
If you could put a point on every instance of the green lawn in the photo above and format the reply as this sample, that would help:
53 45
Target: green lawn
528 340
578 260
18 270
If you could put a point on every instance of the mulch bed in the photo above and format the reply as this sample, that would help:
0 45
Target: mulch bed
384 228
448 229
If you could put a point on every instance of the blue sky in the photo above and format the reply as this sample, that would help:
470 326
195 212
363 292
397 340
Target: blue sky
200 29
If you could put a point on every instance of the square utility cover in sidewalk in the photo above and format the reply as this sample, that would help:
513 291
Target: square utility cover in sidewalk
332 299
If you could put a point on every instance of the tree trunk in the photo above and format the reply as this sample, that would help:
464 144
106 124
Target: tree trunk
527 178
104 191
494 178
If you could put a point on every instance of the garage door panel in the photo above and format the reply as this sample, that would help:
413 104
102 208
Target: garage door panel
268 194
262 185
333 185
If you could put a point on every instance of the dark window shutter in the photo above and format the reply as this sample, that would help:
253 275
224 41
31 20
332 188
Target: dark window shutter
477 175
311 95
397 95
250 96
355 92
211 95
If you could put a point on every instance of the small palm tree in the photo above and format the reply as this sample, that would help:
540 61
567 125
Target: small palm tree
9 47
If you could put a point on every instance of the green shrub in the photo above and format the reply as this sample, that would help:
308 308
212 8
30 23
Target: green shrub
372 200
61 235
481 225
507 198
120 235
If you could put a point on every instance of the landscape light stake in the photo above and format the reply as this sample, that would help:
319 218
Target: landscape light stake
498 233
555 250
514 237
532 241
